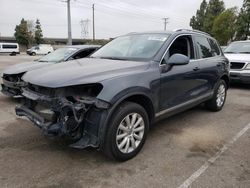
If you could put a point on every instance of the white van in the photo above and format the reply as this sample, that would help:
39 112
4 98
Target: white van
41 49
10 48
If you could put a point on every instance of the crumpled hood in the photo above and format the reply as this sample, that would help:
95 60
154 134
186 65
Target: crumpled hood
238 57
24 67
82 71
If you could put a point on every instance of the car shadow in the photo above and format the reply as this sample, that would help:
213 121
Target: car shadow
239 86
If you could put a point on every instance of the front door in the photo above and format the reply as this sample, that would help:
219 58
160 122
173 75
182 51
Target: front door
180 83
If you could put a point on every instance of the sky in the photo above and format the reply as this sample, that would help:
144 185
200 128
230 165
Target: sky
112 17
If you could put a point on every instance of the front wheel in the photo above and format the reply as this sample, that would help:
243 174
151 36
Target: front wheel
127 132
220 93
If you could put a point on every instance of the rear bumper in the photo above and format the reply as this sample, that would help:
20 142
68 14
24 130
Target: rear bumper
240 76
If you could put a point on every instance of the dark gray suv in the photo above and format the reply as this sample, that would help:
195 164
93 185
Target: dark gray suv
110 100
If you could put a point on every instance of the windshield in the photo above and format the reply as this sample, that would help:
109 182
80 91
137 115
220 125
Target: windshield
238 47
58 55
34 47
138 46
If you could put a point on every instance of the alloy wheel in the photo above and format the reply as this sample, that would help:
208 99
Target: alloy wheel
130 133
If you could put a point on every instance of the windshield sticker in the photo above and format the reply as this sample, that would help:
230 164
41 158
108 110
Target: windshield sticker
157 38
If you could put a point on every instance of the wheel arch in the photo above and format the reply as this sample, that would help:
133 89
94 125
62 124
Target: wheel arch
140 98
226 79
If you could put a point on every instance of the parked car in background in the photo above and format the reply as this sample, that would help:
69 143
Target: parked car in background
12 81
238 54
9 48
40 49
109 100
223 48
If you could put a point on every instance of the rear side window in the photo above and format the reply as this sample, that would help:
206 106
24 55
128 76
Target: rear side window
215 47
9 46
203 46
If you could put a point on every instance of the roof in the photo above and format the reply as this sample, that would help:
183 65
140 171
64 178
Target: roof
171 32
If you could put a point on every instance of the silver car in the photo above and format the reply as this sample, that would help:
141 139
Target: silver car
12 76
238 53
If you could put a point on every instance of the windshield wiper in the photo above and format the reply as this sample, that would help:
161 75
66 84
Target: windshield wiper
244 52
42 61
113 58
230 52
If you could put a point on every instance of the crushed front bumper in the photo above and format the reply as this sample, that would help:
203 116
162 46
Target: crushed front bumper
12 88
48 127
77 121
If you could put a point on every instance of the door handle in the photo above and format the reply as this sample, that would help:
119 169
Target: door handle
196 69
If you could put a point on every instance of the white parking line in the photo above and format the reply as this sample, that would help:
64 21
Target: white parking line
205 166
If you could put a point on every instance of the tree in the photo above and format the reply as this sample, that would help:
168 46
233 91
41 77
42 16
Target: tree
214 9
197 22
38 32
224 26
22 34
243 22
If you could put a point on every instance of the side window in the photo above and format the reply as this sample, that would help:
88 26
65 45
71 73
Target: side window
182 45
215 47
9 46
83 53
203 46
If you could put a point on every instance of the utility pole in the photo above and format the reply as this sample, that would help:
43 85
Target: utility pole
93 9
69 23
165 23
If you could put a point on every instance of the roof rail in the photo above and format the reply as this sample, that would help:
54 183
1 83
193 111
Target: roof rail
192 30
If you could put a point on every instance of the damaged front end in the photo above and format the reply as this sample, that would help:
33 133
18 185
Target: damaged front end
12 84
73 112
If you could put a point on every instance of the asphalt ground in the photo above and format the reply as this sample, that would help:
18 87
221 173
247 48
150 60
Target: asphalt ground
196 148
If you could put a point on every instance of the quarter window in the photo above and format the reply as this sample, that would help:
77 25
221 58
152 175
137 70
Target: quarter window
203 46
214 46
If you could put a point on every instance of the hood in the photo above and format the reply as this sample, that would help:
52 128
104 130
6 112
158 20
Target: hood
24 67
238 57
82 71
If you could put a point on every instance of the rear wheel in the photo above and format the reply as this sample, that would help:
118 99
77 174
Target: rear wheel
220 93
127 132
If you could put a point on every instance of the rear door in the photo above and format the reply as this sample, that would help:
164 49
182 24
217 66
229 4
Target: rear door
210 60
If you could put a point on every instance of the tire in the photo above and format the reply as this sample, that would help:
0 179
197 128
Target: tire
33 53
117 125
220 94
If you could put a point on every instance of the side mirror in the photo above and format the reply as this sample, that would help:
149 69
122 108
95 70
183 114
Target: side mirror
178 59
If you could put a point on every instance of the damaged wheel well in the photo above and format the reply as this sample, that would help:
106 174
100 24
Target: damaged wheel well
226 79
145 102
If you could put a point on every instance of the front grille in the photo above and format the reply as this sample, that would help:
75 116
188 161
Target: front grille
42 90
237 65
